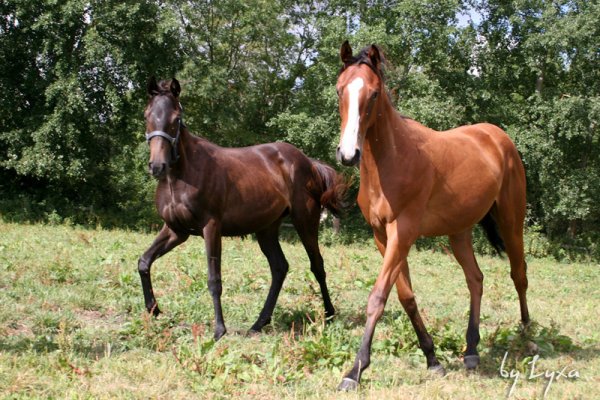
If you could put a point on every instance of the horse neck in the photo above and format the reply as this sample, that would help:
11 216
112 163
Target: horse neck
390 139
195 155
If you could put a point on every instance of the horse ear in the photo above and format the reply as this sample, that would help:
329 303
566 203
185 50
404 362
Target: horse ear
375 55
346 53
175 88
152 86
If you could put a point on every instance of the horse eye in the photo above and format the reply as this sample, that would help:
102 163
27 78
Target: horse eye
374 95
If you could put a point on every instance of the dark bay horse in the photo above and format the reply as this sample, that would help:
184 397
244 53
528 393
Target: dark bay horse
211 191
417 182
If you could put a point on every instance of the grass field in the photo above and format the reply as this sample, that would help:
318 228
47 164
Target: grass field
72 324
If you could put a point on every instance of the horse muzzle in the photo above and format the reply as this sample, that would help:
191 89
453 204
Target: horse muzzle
157 169
346 160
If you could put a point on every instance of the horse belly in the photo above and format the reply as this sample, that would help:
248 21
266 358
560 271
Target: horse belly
253 214
457 210
448 223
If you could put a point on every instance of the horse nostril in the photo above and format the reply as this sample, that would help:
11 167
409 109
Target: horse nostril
356 158
352 161
156 169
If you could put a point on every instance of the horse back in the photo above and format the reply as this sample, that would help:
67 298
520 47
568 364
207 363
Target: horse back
472 166
252 187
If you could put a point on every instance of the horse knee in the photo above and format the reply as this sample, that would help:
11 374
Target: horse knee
285 267
143 266
280 271
375 305
519 278
215 286
316 267
410 304
475 283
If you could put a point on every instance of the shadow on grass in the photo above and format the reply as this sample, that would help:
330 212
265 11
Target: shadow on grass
22 344
296 320
519 345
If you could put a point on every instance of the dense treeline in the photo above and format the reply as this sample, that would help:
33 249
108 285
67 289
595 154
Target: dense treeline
73 76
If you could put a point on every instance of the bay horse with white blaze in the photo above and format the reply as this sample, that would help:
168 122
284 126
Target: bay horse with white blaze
417 182
211 191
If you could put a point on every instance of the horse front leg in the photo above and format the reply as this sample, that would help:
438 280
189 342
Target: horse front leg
166 240
395 253
212 240
407 299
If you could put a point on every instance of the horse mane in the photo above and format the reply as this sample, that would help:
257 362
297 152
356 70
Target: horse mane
363 58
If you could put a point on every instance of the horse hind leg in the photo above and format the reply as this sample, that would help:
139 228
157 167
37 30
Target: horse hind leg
307 226
511 229
268 241
462 247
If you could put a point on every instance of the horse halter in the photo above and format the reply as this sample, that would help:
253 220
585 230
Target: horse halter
173 141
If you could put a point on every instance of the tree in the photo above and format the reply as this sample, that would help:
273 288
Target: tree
68 93
540 59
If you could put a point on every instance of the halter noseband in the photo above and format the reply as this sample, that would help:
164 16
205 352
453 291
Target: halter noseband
173 141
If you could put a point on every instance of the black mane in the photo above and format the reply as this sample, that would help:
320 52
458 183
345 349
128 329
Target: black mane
164 87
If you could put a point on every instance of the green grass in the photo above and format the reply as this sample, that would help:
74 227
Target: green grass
72 323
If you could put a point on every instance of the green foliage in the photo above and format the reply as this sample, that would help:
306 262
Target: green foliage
522 342
72 92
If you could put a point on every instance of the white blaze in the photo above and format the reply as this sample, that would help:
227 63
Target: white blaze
350 136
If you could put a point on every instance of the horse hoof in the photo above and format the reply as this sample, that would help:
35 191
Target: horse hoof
253 332
348 385
154 310
471 362
329 315
437 370
219 333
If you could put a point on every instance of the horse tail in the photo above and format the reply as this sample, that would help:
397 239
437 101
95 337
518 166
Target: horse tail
331 187
490 227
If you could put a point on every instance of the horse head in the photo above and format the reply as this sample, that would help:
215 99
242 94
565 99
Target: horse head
163 125
358 87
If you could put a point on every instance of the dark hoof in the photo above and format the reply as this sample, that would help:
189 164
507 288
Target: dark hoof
348 385
329 318
329 314
219 333
256 328
154 310
258 325
471 362
253 332
437 370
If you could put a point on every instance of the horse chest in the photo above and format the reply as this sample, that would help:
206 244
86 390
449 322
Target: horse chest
374 206
179 214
